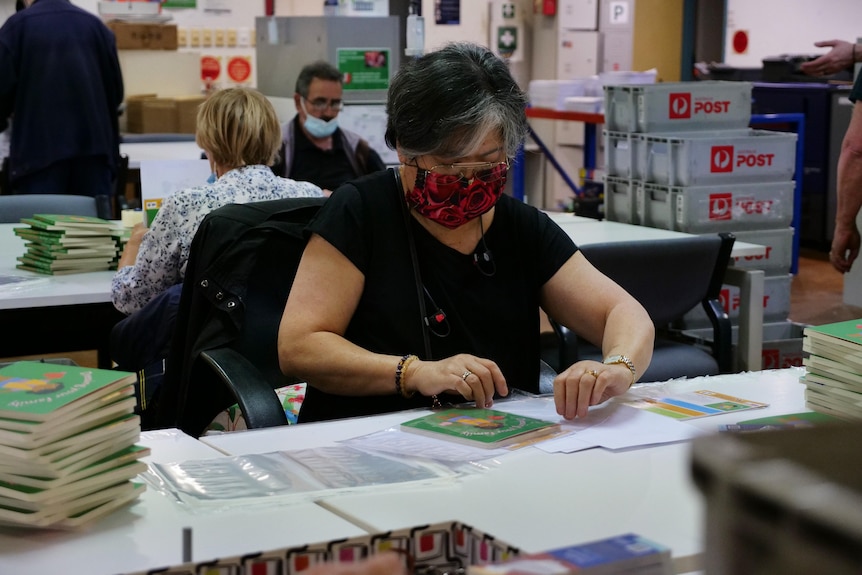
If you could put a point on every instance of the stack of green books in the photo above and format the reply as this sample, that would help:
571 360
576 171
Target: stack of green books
61 244
68 452
833 368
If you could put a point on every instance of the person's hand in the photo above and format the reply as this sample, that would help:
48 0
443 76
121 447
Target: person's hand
380 564
845 248
840 57
588 383
473 377
132 247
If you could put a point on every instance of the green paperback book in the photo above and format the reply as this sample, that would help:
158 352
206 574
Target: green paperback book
845 335
76 232
50 238
36 391
480 427
69 221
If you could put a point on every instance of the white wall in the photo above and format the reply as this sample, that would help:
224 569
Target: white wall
778 27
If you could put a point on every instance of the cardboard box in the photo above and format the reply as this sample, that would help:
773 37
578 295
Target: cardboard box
187 113
132 36
148 114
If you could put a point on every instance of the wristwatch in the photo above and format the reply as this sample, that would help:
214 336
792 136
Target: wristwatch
623 360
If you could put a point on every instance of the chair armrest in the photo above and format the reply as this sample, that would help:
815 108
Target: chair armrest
257 400
722 334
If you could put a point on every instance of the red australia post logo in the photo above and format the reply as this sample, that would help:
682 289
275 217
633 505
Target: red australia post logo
721 159
680 105
721 206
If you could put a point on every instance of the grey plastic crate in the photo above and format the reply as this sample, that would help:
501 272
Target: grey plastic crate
779 250
717 208
709 158
783 501
621 154
619 198
782 343
776 303
678 106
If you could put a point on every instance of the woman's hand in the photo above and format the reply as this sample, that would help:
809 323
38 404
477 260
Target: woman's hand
588 383
132 247
475 378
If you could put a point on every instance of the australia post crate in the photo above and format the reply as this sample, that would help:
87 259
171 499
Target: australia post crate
717 208
782 343
678 106
709 158
621 154
779 251
619 199
776 303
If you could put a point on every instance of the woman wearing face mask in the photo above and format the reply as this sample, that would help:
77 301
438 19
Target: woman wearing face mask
422 284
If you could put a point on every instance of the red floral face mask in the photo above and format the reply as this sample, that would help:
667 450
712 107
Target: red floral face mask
452 199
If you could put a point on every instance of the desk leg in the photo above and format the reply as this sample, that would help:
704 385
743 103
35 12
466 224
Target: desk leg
750 342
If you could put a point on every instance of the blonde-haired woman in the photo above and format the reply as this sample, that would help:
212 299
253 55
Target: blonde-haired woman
240 133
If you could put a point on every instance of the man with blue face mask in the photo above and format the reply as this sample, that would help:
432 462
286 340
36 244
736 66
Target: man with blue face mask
315 149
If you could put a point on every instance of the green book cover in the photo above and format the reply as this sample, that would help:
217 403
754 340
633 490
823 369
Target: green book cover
63 220
849 331
53 262
35 391
61 252
68 231
48 237
63 265
480 427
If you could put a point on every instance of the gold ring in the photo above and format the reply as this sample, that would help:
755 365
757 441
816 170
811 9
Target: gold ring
465 375
593 372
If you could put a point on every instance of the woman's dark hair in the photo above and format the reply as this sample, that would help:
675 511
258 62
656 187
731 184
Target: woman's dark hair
447 102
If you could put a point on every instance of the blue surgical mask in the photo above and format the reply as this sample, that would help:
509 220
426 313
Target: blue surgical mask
316 127
212 178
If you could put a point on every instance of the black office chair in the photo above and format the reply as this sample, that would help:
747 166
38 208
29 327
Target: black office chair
669 278
17 206
242 264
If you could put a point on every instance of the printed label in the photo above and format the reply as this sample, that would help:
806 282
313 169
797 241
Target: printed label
721 206
721 159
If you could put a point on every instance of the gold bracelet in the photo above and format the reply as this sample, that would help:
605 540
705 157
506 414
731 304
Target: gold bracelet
401 376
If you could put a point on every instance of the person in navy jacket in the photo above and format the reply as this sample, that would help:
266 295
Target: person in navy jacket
61 87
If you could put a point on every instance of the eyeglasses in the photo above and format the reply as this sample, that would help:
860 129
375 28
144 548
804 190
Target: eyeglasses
321 104
488 172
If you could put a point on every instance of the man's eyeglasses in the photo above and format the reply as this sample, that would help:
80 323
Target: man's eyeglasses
320 104
488 172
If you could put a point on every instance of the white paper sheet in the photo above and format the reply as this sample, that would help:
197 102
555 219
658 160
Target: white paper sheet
161 178
612 425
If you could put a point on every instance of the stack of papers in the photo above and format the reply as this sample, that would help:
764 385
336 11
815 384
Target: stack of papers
833 368
68 450
62 244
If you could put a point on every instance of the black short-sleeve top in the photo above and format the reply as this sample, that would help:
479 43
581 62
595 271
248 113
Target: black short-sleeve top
492 316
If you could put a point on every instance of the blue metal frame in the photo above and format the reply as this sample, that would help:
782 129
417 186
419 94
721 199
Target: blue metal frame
799 120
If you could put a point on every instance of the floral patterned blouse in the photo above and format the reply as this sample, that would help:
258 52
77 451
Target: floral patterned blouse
164 251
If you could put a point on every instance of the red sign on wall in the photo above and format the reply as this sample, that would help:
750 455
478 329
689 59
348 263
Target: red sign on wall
210 68
239 69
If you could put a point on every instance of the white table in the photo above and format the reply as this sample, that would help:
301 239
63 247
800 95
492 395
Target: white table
54 313
148 535
537 501
750 282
